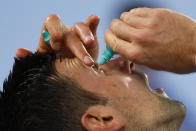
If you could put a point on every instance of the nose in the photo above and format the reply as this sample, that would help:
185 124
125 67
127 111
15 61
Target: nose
118 64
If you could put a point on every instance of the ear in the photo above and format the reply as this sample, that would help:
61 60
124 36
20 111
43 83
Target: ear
102 118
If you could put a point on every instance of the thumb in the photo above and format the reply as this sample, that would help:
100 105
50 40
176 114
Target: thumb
129 50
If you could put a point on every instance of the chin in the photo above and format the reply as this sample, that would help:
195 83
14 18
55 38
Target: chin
174 112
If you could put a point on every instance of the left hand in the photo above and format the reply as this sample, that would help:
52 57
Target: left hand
81 39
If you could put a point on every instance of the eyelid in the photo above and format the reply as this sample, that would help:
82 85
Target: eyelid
101 70
98 68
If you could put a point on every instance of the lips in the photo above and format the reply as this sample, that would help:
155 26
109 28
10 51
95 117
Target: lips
161 92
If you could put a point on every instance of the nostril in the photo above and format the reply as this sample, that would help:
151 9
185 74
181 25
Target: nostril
131 65
124 66
107 119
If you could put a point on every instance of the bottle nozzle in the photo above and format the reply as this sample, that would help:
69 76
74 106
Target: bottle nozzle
107 55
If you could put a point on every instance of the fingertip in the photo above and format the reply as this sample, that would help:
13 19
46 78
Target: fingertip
107 33
94 17
88 61
22 52
53 17
123 15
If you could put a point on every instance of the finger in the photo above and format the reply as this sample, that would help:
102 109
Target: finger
124 31
84 32
128 50
55 28
134 20
142 12
22 52
93 22
77 48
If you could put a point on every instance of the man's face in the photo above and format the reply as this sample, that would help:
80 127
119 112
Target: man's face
128 91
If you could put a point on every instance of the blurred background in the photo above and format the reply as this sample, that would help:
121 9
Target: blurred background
21 22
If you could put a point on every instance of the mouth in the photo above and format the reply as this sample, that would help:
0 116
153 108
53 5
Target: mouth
160 92
130 69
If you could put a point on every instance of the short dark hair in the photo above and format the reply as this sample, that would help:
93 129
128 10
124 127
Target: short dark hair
36 98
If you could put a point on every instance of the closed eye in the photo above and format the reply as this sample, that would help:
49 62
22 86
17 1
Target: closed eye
96 68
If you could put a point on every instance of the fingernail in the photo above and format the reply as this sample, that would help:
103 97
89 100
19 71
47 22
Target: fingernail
89 39
88 60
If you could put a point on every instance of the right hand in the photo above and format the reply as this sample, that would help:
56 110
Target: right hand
79 41
158 38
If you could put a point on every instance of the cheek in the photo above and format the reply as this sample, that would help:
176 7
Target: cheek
133 90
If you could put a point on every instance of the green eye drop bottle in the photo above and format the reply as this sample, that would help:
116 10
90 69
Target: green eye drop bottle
107 55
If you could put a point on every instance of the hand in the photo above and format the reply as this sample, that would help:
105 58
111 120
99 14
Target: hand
80 40
158 38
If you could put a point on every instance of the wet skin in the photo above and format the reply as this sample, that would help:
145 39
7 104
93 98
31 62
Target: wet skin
127 90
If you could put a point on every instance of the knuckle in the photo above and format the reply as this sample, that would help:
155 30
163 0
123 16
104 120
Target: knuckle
156 19
134 56
123 15
160 13
138 10
115 23
141 37
76 25
158 16
134 10
153 23
57 36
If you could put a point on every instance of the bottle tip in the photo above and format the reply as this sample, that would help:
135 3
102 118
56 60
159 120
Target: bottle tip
103 61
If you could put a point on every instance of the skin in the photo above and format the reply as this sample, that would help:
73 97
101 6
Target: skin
158 38
80 40
128 91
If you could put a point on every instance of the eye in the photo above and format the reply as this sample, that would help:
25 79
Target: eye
97 68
